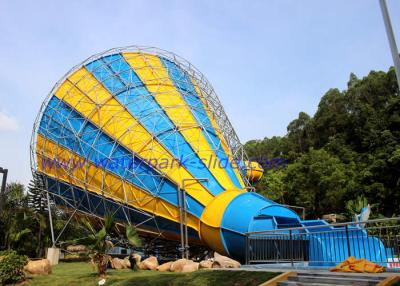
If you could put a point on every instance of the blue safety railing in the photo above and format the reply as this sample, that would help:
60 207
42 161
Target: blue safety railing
325 245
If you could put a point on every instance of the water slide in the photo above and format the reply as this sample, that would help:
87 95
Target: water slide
139 132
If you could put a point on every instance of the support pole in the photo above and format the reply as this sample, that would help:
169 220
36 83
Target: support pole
392 40
186 240
51 220
185 225
3 188
182 247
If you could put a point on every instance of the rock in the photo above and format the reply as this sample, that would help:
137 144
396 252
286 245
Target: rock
165 267
177 265
221 261
205 264
331 218
141 266
184 265
38 267
127 262
77 248
150 263
118 263
190 267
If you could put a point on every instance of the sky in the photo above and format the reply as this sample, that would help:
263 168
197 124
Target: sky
267 60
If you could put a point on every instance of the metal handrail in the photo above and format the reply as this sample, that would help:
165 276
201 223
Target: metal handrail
327 225
303 210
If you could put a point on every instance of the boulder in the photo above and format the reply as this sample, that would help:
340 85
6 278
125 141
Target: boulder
39 267
190 267
205 264
117 263
127 262
184 265
164 267
141 266
150 263
221 261
329 218
177 265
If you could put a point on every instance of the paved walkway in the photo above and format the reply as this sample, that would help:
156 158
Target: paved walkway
312 271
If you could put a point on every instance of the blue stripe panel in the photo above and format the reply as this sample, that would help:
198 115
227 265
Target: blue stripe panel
92 203
130 92
189 94
68 128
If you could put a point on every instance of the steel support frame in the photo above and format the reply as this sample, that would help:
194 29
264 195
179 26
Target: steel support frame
183 216
3 187
212 103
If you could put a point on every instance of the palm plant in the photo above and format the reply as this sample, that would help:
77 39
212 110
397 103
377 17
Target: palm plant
99 242
355 206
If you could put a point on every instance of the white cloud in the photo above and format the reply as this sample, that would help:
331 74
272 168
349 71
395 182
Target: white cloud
7 122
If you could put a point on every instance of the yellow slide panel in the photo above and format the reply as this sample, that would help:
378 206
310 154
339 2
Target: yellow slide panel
156 79
218 132
210 221
97 180
117 122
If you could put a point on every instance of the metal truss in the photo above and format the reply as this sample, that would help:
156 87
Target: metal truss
213 104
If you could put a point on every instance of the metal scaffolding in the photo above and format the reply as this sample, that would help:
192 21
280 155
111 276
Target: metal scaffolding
63 192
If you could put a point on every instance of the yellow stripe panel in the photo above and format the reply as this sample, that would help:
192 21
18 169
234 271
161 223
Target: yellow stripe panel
102 182
210 221
213 123
218 131
155 77
87 96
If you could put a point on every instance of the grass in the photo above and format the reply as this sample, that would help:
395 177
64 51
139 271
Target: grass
82 274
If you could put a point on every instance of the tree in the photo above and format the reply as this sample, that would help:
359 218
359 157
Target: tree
99 242
14 216
357 132
37 202
319 181
272 186
299 133
36 194
24 215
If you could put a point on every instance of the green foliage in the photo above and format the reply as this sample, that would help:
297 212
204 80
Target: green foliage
132 236
11 267
272 186
319 182
350 148
25 216
355 206
99 241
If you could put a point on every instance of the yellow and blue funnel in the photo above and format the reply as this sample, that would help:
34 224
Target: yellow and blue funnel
125 130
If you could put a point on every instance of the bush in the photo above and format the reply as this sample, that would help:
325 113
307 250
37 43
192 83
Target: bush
11 267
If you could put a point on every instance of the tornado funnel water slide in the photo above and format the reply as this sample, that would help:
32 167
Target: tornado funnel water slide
126 129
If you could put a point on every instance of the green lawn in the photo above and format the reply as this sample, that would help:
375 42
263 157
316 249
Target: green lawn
82 274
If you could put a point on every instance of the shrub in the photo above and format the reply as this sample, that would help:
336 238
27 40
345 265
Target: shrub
11 267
